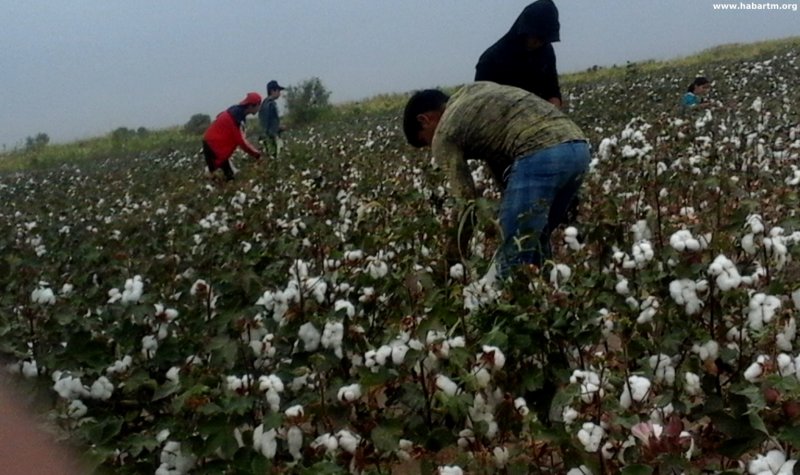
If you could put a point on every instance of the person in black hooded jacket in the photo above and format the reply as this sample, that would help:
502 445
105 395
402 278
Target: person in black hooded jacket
524 57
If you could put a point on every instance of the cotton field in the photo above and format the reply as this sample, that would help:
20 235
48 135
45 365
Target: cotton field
303 319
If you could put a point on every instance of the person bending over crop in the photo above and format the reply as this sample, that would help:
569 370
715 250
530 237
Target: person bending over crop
537 156
225 134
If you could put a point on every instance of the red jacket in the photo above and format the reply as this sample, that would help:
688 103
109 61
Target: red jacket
224 135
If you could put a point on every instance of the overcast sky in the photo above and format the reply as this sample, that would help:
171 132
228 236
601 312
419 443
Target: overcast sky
81 68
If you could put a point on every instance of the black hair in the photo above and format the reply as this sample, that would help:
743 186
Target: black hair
421 102
698 81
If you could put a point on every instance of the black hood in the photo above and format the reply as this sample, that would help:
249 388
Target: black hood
539 19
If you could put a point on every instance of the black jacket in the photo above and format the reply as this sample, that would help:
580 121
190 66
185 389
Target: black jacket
509 62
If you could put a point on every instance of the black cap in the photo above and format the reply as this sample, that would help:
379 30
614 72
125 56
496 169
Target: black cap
273 85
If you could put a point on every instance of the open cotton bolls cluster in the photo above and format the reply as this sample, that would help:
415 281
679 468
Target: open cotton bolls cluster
663 368
482 291
446 385
571 239
590 383
636 390
344 439
310 336
174 461
684 292
43 294
761 310
265 441
649 308
684 241
560 274
450 470
692 384
273 386
754 371
349 393
725 271
591 435
132 291
707 351
773 463
332 336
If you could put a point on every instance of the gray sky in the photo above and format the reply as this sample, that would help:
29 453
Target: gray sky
81 68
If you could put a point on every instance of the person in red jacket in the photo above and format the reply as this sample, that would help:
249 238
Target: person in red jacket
225 134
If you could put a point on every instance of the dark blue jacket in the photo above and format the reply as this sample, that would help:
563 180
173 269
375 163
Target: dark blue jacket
509 62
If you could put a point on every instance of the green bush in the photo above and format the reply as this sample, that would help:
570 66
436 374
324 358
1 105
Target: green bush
307 102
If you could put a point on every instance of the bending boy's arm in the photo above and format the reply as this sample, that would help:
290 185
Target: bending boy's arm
455 166
463 188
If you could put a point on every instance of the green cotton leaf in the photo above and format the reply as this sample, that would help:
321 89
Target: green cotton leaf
165 390
757 423
637 470
790 435
323 468
104 430
386 438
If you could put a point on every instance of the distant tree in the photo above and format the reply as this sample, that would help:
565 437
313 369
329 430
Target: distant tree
197 124
38 142
307 101
122 135
142 132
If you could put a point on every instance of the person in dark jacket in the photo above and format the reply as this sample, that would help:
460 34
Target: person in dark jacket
270 120
225 134
524 57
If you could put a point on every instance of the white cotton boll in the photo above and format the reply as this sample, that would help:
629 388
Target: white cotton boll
560 274
120 366
174 374
348 441
349 393
377 269
501 456
332 336
785 365
492 357
622 287
664 371
482 377
450 470
43 296
149 346
446 385
796 299
761 310
636 390
132 292
457 272
310 336
399 351
102 389
591 435
30 369
66 289
273 399
294 411
648 308
345 305
569 415
327 441
748 244
707 351
692 386
785 338
382 354
755 223
162 436
774 463
521 406
265 441
76 409
753 372
294 439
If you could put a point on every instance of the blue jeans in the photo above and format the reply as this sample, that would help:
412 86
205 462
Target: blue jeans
540 188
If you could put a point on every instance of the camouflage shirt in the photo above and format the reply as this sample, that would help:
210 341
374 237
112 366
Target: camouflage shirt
496 124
